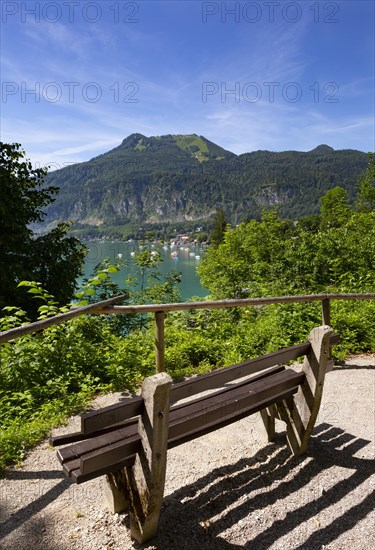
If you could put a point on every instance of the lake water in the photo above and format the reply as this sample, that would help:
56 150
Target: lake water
184 258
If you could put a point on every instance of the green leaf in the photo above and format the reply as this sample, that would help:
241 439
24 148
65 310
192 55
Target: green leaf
34 291
94 282
26 283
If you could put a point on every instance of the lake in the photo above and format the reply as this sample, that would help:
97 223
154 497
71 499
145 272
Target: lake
182 258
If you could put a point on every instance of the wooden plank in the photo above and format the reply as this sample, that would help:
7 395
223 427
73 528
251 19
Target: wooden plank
114 452
238 400
56 441
213 426
76 475
99 419
228 374
244 302
210 411
65 455
93 421
223 390
99 442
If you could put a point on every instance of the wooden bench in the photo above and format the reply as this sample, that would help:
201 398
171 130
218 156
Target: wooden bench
128 441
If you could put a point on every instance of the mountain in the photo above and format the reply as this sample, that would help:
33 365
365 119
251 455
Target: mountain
179 178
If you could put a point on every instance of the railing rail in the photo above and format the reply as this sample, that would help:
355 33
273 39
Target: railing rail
107 307
17 332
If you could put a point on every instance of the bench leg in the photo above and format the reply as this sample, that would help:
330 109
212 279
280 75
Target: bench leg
116 494
300 413
146 479
266 424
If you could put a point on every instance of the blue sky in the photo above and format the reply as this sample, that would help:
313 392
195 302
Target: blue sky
80 76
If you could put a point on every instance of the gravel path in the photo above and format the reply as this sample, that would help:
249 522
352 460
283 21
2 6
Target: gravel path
225 490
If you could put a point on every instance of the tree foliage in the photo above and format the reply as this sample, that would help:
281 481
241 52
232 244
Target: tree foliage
335 208
366 192
332 252
219 227
52 259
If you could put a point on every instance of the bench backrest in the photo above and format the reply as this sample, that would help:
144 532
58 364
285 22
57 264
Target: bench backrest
93 421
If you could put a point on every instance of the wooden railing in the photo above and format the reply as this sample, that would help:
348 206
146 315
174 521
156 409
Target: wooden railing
106 307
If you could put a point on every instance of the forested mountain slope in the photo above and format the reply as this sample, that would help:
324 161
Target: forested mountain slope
150 180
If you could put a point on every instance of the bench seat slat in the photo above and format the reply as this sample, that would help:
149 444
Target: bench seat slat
97 443
246 399
72 467
93 461
78 477
210 427
56 441
80 436
70 456
189 419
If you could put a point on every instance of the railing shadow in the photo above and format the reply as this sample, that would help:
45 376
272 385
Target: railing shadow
41 499
355 367
188 518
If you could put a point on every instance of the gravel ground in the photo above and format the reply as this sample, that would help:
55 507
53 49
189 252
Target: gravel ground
225 490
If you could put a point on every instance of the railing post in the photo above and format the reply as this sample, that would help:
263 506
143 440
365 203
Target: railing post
326 317
326 312
159 341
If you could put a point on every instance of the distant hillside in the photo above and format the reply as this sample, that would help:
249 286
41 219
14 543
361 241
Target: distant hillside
179 178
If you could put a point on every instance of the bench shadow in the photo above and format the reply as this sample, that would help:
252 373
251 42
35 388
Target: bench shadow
189 516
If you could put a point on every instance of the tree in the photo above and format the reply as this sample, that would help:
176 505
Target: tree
250 261
275 257
335 209
218 230
52 259
366 192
